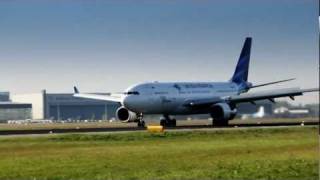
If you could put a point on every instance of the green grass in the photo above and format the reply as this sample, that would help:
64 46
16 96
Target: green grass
280 153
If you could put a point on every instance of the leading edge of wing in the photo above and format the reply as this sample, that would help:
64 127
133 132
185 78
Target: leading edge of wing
290 92
102 97
98 97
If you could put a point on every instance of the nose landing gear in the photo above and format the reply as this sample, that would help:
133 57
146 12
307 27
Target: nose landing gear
141 122
167 122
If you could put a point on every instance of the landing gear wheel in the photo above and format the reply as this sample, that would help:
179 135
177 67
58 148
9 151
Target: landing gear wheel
220 122
163 122
173 122
141 124
168 122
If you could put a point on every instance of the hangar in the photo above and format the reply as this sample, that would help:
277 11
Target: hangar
63 106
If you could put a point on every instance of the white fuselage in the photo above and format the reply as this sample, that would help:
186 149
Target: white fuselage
169 98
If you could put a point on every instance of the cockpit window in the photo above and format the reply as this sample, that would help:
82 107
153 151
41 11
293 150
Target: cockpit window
132 92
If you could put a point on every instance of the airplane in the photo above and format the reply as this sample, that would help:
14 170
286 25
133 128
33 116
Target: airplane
219 99
259 114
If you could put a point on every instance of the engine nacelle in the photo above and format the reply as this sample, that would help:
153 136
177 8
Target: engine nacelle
223 111
124 115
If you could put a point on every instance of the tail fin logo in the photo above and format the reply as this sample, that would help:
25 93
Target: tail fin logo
241 73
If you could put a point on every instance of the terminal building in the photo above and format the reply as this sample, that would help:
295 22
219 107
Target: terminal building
64 106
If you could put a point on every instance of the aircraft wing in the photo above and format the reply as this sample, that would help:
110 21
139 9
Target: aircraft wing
249 97
203 102
99 97
270 95
103 97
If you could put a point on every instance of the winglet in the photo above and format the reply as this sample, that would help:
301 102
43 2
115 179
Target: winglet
76 91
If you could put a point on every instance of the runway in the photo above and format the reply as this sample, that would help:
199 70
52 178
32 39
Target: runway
131 128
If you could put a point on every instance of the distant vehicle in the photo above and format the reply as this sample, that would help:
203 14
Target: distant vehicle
219 99
30 121
259 114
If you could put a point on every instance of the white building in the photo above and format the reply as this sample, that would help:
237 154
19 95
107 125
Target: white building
291 113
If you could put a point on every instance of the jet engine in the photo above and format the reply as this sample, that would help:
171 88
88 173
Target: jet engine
223 111
124 115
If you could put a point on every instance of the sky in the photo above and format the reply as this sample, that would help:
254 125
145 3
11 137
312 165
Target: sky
106 46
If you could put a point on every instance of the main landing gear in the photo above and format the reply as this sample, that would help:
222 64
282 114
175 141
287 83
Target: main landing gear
167 122
219 122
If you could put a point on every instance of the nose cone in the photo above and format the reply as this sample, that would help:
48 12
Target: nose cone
126 100
129 102
134 103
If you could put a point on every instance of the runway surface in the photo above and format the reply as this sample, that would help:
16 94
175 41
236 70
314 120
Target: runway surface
122 129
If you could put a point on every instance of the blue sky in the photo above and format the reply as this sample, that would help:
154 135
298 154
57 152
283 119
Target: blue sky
108 45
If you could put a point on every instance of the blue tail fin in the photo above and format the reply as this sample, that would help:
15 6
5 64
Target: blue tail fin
240 75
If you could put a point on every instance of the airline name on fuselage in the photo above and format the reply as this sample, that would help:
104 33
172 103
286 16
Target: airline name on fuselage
190 88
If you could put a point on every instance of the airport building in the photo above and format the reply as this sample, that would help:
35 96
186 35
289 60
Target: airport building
284 112
4 96
64 106
13 111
